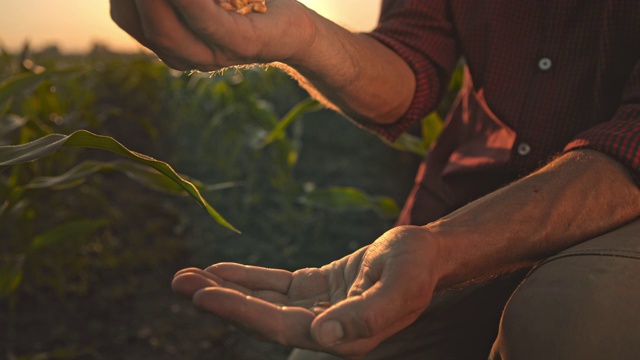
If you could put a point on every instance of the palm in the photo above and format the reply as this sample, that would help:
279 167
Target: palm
367 293
201 35
328 284
265 38
277 304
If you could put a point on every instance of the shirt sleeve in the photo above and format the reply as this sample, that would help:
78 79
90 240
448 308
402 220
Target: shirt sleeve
619 137
420 32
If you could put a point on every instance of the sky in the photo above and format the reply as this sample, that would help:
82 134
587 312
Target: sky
75 25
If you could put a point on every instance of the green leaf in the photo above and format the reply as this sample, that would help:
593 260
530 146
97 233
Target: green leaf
432 126
4 107
65 232
11 269
348 198
150 177
409 143
457 77
278 131
17 154
387 206
74 174
23 82
339 198
143 174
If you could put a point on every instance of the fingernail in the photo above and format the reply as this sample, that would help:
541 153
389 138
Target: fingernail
330 333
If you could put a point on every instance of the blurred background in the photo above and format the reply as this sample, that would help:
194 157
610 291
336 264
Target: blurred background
77 25
89 240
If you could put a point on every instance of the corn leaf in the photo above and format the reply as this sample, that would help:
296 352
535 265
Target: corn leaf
151 177
5 106
278 131
11 270
386 206
70 177
143 174
409 143
431 128
17 154
23 82
348 198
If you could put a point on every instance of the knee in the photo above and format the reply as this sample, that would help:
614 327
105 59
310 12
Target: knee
574 307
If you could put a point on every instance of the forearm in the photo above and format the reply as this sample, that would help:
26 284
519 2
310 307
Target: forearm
354 74
576 197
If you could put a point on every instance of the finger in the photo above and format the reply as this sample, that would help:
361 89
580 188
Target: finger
188 281
171 39
253 277
285 325
125 14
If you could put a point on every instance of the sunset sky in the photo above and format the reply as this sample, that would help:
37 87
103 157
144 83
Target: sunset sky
74 25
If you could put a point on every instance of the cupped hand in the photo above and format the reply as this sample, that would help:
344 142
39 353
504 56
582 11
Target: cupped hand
200 35
346 307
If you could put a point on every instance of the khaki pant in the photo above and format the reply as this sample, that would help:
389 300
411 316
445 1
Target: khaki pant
583 303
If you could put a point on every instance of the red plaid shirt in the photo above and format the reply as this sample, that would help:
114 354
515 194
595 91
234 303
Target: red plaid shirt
561 75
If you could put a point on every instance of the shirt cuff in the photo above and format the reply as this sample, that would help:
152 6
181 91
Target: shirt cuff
618 138
426 96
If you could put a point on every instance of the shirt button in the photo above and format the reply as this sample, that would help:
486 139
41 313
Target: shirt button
524 149
544 64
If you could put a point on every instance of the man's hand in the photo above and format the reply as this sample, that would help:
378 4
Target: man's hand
373 293
382 288
352 73
199 34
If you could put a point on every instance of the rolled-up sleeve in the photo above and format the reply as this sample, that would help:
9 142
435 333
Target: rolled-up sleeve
421 33
619 137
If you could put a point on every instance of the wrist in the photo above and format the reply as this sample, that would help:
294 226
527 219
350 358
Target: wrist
325 55
440 255
423 251
355 74
308 25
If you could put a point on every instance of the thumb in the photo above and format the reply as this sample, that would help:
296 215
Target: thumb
385 308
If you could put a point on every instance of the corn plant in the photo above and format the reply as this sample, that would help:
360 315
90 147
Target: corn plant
243 133
144 169
243 124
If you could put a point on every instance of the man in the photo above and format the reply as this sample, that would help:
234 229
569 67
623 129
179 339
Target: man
540 159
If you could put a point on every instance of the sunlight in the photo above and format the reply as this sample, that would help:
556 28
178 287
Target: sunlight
75 25
72 25
356 15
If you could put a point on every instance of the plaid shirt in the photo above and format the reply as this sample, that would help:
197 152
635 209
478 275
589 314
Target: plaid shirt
562 75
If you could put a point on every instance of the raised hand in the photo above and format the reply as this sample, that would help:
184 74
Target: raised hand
348 71
200 34
346 307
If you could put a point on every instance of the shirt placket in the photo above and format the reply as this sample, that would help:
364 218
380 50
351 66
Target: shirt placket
543 62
